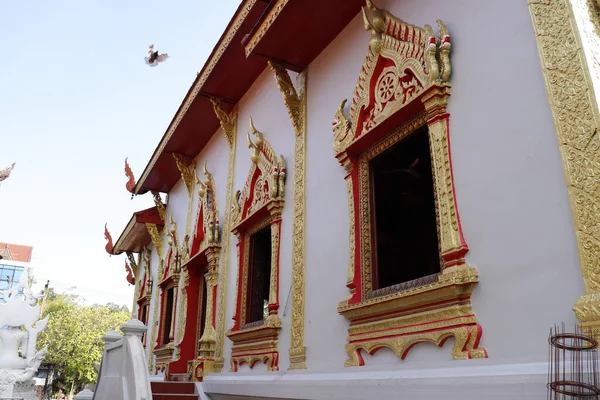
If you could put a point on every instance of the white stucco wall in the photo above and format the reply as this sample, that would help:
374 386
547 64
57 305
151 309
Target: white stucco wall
508 179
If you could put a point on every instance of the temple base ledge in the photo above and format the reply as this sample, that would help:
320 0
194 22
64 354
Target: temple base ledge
476 380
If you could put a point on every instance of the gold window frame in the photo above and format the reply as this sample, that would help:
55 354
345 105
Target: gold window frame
257 206
403 85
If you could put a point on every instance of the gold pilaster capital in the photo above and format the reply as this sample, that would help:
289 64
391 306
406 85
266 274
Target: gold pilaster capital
227 120
293 99
157 238
188 172
160 206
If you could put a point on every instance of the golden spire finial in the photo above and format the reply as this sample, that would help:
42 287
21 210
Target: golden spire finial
207 174
259 136
201 187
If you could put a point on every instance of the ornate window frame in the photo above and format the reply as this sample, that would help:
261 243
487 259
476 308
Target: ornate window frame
258 205
414 66
145 295
205 254
169 278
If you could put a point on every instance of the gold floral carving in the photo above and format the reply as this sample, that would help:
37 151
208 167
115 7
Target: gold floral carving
225 244
263 194
157 237
227 120
295 101
434 308
265 25
577 121
188 172
226 39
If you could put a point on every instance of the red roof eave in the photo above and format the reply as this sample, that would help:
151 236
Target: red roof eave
226 75
293 32
135 236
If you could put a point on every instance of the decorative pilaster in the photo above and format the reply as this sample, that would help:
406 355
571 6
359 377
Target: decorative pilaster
188 172
229 125
452 243
577 121
295 102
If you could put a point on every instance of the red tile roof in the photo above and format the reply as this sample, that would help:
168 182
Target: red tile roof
16 252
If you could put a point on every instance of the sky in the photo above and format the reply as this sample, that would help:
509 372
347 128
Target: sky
76 99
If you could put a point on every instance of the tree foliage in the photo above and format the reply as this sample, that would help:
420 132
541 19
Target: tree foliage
74 336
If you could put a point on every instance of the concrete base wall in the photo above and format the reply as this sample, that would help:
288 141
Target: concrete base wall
473 381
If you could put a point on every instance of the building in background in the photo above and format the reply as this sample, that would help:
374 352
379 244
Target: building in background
14 259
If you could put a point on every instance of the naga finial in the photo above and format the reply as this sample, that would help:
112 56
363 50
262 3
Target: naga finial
201 187
173 229
375 27
444 43
259 141
259 136
109 245
130 185
207 174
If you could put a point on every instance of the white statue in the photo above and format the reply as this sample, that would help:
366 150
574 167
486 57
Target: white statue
19 328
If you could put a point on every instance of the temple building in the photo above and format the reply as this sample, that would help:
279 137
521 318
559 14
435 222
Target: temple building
374 199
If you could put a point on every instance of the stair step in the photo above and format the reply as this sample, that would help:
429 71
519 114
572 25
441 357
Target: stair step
165 388
174 396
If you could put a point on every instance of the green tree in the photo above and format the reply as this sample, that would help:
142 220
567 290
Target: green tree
74 337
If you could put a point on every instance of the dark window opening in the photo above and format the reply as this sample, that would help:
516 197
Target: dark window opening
144 313
168 315
143 318
259 275
202 322
405 241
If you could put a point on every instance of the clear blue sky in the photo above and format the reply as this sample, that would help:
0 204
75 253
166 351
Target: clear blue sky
76 98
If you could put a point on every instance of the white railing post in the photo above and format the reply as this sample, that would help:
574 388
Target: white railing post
139 382
85 394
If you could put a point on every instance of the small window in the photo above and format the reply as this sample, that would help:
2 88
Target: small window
259 275
144 314
144 319
405 241
203 306
168 315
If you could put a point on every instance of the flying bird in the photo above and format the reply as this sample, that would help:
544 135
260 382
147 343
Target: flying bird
154 58
5 173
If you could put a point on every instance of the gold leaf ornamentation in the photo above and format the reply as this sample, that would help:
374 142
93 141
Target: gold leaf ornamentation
577 121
